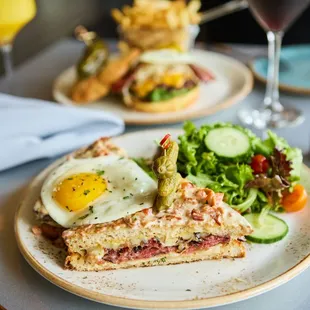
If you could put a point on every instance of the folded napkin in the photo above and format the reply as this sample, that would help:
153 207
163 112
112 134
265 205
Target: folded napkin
32 129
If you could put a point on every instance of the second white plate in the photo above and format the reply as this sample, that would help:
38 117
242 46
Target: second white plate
233 82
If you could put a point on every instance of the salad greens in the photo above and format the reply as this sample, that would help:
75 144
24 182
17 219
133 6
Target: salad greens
243 189
146 165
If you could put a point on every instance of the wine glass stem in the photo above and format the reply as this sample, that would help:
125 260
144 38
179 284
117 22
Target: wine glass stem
7 59
271 100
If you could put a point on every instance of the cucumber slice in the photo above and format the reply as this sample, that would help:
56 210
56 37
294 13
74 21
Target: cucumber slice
227 142
273 229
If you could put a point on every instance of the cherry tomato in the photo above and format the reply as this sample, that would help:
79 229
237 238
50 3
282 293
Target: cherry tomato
259 164
296 200
165 141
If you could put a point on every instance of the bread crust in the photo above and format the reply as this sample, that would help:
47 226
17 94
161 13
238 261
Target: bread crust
172 105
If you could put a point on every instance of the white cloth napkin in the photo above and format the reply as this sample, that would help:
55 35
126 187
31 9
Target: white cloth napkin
32 129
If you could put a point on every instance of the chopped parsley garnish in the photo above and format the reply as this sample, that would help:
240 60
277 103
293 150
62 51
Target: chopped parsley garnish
110 191
126 197
123 178
91 209
70 179
109 181
83 217
100 172
131 194
96 218
67 208
163 259
86 192
142 203
136 179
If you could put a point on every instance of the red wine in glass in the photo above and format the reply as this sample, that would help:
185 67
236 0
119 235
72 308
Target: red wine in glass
275 16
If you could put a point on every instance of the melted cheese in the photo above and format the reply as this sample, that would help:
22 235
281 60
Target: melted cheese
150 76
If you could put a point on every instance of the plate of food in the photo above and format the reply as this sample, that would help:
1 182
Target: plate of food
116 222
155 78
162 87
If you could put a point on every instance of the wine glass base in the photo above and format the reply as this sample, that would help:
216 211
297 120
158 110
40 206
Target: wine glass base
267 118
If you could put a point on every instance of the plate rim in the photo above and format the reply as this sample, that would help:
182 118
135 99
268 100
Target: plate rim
282 86
241 94
149 304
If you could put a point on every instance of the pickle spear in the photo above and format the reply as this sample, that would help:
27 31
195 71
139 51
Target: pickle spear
95 55
165 168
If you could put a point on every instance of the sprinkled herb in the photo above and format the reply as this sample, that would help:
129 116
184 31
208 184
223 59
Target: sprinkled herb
131 194
123 178
86 192
96 218
142 203
100 172
67 208
124 189
136 179
109 181
84 277
163 259
91 209
188 290
73 188
74 223
83 217
110 192
121 158
126 197
70 179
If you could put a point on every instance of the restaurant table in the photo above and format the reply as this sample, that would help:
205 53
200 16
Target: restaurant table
20 286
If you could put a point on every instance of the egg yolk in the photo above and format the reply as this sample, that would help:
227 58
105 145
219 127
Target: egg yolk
78 191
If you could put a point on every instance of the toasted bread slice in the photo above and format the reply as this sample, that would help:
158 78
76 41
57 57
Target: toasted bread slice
197 221
175 104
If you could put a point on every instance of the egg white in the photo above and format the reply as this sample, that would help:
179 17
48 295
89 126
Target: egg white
129 190
166 57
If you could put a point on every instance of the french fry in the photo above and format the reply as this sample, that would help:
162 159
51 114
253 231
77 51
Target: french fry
117 15
157 14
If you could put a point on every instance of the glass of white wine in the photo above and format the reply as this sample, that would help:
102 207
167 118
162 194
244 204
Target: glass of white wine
14 15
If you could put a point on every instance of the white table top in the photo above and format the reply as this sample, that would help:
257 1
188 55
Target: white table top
20 286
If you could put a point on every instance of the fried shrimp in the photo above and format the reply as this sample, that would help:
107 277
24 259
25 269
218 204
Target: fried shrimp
98 86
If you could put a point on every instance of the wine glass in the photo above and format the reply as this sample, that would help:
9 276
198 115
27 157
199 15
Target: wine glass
274 16
14 15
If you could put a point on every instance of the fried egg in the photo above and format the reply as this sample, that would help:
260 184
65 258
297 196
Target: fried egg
166 57
97 190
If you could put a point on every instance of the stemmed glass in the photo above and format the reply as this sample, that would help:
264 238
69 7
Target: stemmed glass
275 16
14 15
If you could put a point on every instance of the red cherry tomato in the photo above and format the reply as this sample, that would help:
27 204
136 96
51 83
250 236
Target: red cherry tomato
259 164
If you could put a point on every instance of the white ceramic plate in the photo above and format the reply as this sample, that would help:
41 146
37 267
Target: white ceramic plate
186 286
233 82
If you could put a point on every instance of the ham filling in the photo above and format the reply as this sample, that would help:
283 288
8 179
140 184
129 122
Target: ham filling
153 248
